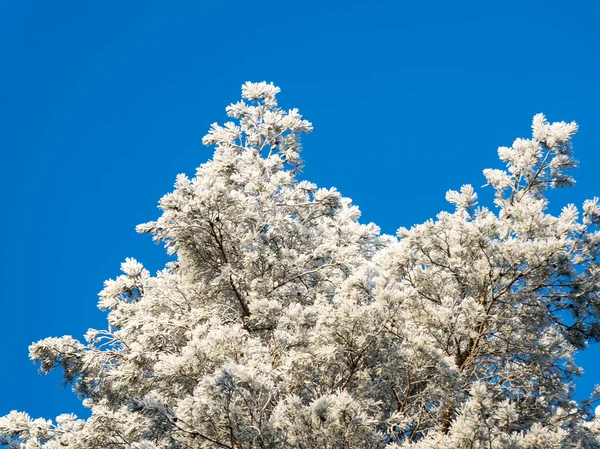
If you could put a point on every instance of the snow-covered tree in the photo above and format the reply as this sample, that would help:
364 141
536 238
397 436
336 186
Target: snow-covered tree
282 322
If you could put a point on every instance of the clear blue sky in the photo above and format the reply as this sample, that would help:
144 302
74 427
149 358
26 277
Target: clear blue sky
103 103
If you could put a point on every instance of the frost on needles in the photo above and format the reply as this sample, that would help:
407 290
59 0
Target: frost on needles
283 322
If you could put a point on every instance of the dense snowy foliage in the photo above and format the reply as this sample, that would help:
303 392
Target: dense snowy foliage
283 322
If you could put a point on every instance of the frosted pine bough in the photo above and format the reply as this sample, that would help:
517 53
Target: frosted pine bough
285 323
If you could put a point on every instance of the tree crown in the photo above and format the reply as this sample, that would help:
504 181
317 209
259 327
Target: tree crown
283 322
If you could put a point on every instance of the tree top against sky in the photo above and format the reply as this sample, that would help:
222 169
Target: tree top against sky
103 104
284 322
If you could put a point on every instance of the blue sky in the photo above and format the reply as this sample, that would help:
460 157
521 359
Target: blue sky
103 103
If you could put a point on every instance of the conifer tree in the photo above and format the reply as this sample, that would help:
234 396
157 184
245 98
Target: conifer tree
283 322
